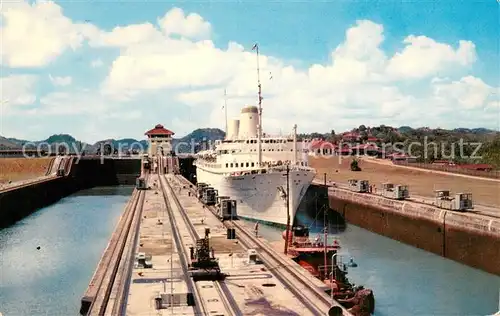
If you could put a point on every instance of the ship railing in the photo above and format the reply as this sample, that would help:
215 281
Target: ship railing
309 244
292 168
328 268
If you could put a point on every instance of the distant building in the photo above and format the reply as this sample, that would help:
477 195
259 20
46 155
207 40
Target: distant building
367 149
345 151
443 163
159 140
372 139
351 137
318 147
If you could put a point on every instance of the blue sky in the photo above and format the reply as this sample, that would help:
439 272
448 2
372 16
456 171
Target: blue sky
67 68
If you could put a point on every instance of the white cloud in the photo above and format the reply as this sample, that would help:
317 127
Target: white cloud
124 36
493 105
423 57
171 72
17 90
74 103
470 92
359 82
175 64
125 115
190 26
61 81
96 63
34 35
174 22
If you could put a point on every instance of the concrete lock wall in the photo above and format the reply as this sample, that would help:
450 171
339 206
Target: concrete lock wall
457 236
86 173
473 241
96 172
187 169
19 203
314 206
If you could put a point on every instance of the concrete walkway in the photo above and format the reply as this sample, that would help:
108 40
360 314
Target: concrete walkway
388 163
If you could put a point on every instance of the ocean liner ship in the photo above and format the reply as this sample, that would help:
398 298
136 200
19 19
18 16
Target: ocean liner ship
261 173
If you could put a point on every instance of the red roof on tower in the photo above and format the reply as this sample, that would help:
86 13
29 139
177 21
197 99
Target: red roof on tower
159 130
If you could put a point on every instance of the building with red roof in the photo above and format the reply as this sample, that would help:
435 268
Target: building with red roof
159 140
344 151
318 147
372 139
367 149
351 137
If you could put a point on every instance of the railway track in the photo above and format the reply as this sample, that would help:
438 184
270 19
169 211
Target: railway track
106 294
315 299
312 297
121 284
201 307
481 210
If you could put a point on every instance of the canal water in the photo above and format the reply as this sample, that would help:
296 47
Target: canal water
407 280
72 235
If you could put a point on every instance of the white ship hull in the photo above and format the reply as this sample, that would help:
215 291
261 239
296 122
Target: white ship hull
257 195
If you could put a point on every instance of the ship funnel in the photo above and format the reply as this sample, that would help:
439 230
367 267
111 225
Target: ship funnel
249 122
233 129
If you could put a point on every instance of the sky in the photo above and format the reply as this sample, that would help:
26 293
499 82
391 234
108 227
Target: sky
114 69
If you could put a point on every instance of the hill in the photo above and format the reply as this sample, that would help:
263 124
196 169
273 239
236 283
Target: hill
428 144
6 143
197 139
192 141
461 145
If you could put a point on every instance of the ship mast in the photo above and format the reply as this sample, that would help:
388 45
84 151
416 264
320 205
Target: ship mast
295 159
287 209
259 136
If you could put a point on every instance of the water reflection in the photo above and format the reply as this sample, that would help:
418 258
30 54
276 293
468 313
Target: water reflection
407 280
124 190
71 235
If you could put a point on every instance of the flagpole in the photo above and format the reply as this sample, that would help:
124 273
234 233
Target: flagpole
259 140
225 109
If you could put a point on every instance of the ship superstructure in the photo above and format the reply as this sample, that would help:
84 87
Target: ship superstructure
260 172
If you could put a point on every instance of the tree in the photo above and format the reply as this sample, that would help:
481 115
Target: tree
317 135
363 136
354 165
490 153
